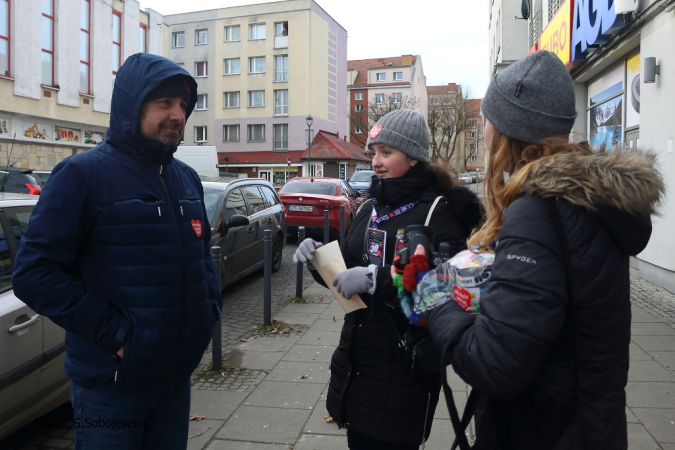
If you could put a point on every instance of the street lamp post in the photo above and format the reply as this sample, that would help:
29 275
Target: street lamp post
309 121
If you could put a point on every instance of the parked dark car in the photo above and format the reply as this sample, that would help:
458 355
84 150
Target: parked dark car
20 181
43 174
360 181
32 347
239 212
306 198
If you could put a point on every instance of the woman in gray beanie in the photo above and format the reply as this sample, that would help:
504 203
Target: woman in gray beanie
549 350
384 397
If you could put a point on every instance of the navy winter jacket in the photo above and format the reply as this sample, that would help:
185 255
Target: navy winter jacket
118 250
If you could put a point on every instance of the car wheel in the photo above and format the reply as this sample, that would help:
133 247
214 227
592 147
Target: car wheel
277 248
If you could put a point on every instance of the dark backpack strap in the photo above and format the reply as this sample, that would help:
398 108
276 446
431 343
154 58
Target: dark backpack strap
458 426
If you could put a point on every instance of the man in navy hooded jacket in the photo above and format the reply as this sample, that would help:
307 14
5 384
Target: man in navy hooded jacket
118 254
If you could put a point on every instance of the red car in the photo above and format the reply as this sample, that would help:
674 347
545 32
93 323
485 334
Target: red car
306 198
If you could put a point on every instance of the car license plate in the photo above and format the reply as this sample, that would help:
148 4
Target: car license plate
301 208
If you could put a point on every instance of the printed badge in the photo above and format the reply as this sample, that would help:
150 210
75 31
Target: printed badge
197 227
376 241
375 131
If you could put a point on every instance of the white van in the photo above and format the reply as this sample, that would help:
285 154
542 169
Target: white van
202 158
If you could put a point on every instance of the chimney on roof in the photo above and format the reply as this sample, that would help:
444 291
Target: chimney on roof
406 60
344 138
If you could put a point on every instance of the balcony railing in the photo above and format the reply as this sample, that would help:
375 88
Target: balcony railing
280 41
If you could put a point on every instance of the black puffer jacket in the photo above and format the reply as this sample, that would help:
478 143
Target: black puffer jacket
371 389
518 351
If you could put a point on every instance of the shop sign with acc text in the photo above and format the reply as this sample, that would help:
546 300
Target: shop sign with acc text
594 22
557 36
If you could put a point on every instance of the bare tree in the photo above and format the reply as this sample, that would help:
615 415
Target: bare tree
447 122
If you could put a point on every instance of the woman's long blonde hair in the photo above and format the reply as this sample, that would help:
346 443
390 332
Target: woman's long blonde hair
507 155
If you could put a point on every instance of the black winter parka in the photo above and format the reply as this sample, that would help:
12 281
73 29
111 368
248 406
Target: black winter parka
518 351
372 389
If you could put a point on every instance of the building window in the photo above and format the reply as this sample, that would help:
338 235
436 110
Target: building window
381 76
472 123
256 31
201 37
281 137
85 36
472 146
202 102
358 96
178 39
47 59
396 97
4 38
116 42
231 100
398 76
200 134
256 99
281 29
256 133
201 69
358 130
472 134
358 108
256 64
281 102
232 33
143 38
472 158
281 68
230 133
379 99
232 66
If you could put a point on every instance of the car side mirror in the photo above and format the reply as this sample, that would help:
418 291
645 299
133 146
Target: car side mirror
236 220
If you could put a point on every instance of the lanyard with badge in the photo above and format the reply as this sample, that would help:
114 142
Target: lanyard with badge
377 238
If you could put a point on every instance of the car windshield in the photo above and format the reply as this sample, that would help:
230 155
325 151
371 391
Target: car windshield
362 176
309 187
211 199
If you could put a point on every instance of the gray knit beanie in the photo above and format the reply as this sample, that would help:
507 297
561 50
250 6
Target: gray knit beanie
532 99
404 130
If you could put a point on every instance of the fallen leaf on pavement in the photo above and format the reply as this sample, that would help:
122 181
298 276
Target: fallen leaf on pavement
302 377
197 417
334 319
286 330
199 434
291 447
243 340
328 418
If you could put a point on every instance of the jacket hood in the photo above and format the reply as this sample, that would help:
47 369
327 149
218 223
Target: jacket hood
621 186
140 74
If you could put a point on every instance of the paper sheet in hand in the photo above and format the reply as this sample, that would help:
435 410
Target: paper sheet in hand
328 262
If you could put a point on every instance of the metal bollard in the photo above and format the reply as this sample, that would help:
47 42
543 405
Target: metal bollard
298 280
267 271
342 224
325 226
217 342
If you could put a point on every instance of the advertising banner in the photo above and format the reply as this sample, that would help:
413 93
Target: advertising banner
36 130
93 137
63 134
557 36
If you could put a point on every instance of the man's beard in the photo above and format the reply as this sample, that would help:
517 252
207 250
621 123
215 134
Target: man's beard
164 138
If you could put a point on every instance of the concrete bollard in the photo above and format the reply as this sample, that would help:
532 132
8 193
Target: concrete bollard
217 342
267 273
298 280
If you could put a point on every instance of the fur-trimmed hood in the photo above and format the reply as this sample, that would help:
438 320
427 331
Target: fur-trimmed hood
621 186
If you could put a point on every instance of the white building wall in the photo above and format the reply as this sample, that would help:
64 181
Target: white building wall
657 132
67 31
131 37
155 30
101 55
27 48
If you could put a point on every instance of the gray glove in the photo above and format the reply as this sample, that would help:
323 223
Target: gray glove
305 252
356 281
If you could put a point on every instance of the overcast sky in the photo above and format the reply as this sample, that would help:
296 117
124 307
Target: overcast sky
450 35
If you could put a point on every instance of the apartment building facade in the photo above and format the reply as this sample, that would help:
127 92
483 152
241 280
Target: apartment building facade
261 70
507 34
620 58
475 153
376 86
56 79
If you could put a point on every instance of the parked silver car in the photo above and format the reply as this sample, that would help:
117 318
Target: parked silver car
32 347
465 178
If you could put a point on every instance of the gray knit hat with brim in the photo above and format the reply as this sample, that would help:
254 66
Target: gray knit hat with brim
404 130
532 99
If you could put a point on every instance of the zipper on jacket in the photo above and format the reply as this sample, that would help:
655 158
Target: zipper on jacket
181 210
181 355
426 419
